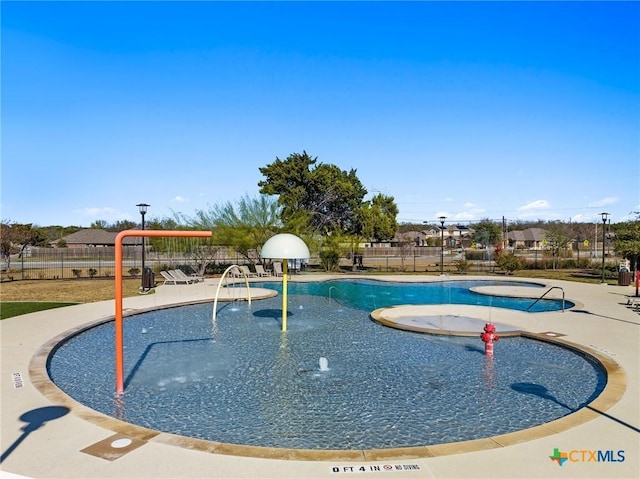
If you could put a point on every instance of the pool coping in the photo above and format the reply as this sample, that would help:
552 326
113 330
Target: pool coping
615 388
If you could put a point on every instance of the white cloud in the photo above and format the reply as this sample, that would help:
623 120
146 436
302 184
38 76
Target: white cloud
535 205
582 218
180 199
610 200
105 213
464 216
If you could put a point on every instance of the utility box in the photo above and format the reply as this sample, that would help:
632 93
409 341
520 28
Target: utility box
148 279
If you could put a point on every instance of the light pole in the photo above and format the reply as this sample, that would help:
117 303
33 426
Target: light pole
143 210
604 222
442 218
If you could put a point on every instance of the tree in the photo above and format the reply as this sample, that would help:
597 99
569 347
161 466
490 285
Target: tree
322 197
99 225
245 226
627 242
203 252
486 233
557 240
122 225
332 248
15 237
379 218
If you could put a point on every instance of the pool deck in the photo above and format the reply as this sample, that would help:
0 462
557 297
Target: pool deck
78 444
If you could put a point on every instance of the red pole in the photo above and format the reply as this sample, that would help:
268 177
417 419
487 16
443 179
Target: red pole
118 289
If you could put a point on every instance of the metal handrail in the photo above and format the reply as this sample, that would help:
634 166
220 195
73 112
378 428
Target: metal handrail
545 293
338 290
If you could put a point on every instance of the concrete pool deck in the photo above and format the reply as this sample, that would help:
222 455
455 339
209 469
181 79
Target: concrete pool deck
38 441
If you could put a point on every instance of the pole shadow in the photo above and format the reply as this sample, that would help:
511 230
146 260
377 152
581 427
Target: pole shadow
35 419
542 392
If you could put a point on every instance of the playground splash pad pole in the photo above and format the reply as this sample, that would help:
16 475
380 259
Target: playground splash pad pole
118 289
284 246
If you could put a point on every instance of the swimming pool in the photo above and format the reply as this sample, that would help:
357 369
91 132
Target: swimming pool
373 294
240 380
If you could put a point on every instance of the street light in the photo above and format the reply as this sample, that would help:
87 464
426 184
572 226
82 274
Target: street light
442 218
143 210
604 222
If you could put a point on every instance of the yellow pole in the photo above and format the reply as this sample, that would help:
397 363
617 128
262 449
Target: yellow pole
285 265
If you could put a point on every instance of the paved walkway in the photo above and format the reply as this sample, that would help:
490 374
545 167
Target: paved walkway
41 440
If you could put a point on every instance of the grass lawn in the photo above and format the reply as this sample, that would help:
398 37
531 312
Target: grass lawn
21 297
8 310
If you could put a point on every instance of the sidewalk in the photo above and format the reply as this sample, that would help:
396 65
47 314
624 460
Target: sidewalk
40 439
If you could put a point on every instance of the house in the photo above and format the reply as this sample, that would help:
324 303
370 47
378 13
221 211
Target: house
531 238
95 238
408 238
453 235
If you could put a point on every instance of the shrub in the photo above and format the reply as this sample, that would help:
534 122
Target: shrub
509 262
134 271
329 259
475 254
76 272
462 266
92 272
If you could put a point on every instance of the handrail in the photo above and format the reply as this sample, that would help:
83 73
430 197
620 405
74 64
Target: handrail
545 293
246 280
338 290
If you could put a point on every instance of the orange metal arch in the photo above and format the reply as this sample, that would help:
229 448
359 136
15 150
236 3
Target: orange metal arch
118 287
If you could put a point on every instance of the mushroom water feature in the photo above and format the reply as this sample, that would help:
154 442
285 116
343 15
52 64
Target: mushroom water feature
284 246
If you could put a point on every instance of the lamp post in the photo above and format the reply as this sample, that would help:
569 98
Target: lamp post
604 222
143 210
442 218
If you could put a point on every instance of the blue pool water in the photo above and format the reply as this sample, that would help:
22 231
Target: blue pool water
371 294
240 380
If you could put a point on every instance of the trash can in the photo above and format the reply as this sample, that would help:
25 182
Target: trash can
624 278
148 279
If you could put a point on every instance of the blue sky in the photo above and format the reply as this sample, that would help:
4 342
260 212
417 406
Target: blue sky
467 110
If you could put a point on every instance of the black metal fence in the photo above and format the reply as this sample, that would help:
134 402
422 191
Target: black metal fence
71 263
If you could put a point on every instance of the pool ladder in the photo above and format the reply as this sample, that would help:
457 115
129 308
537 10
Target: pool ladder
336 288
545 293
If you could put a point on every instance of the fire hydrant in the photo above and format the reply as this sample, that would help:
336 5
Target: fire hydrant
489 336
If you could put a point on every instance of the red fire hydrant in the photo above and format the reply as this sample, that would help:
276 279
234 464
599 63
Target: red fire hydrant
489 336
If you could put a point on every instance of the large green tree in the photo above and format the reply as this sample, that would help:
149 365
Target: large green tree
379 218
320 196
486 232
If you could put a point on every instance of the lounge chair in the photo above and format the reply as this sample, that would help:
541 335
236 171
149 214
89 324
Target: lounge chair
170 279
235 272
181 274
277 269
260 271
247 272
634 302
